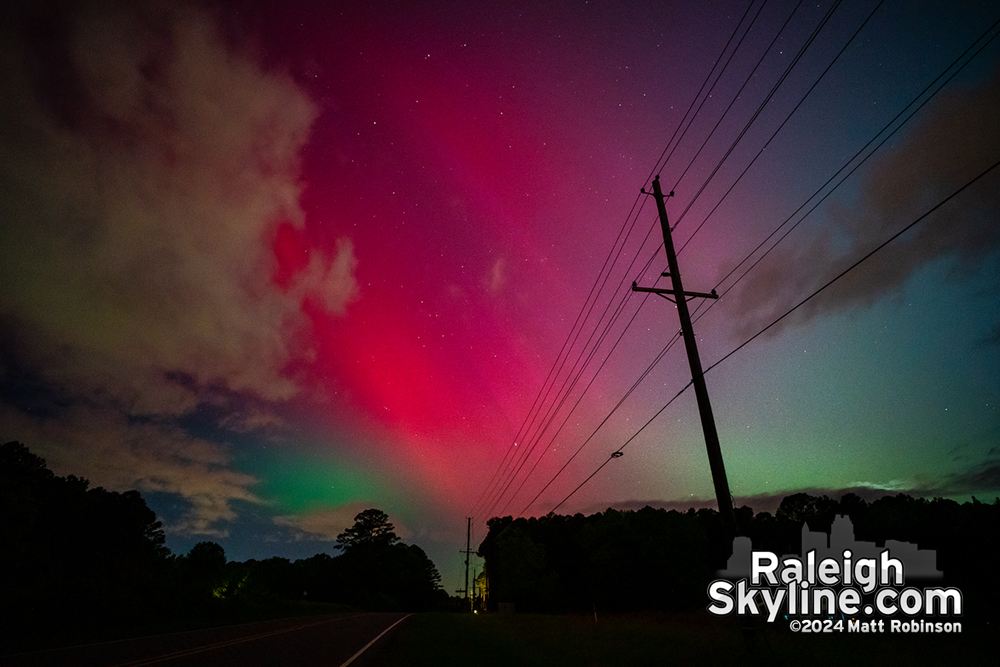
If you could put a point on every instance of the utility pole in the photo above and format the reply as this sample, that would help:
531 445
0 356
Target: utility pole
681 297
468 550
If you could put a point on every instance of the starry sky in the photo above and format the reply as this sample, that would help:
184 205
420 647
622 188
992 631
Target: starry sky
274 263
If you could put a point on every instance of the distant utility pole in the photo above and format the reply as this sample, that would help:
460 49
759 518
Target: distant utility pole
722 495
468 550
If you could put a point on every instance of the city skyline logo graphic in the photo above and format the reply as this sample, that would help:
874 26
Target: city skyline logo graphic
837 583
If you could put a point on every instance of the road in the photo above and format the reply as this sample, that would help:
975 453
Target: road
329 640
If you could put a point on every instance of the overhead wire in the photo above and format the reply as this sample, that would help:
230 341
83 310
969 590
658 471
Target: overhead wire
779 128
508 477
814 294
956 61
659 357
770 95
568 385
856 155
715 63
555 406
682 134
540 397
510 474
858 263
594 377
618 451
757 112
736 96
620 402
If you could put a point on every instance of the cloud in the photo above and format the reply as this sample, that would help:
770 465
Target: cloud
331 280
327 524
953 141
981 478
498 276
144 165
113 452
323 525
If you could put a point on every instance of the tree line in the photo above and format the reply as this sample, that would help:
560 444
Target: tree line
654 559
80 563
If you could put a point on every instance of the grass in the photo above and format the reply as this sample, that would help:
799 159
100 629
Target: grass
441 639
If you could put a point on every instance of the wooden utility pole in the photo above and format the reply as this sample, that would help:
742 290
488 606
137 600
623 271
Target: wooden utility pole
468 550
722 495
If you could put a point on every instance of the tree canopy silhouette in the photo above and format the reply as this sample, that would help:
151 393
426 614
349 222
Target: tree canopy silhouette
87 564
377 570
70 553
371 528
659 559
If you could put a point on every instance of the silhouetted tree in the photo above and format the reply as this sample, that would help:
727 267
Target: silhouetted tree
207 558
371 528
852 505
201 574
323 579
275 578
801 508
375 570
72 556
411 579
523 575
652 558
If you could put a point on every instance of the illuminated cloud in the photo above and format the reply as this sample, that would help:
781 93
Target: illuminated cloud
952 142
331 280
145 169
498 276
108 450
145 166
327 524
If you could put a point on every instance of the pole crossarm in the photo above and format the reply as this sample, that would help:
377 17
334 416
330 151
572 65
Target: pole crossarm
661 292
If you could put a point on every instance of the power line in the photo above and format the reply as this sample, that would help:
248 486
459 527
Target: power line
510 469
625 296
854 157
801 101
789 312
715 63
746 81
579 399
628 393
778 130
543 393
516 462
857 263
732 54
604 333
620 402
509 476
618 451
774 88
757 112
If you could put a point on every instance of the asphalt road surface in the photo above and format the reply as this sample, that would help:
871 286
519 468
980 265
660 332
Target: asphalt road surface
330 640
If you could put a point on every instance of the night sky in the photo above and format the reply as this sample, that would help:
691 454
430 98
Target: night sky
274 263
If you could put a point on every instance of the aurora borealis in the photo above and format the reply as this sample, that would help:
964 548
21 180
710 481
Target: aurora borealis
273 263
